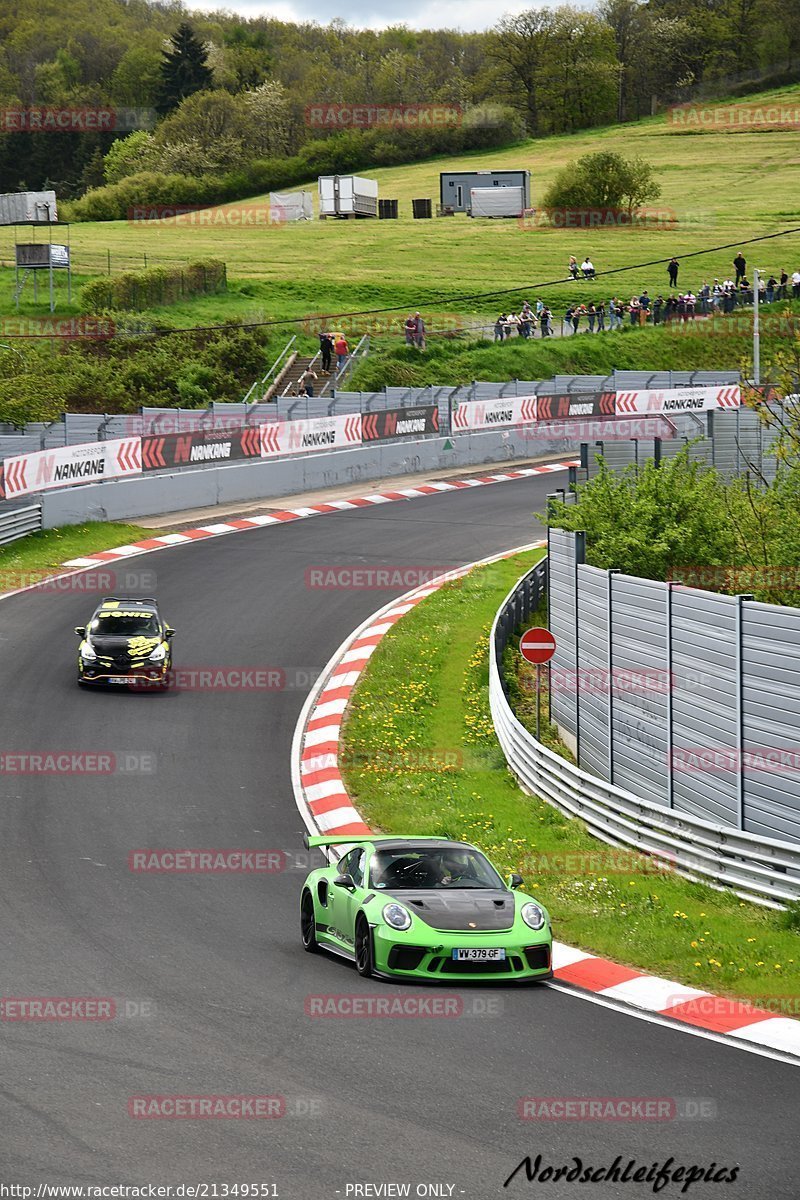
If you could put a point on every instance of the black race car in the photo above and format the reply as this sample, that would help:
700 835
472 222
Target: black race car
126 643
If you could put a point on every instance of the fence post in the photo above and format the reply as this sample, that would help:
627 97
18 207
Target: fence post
580 558
740 711
108 257
610 659
670 797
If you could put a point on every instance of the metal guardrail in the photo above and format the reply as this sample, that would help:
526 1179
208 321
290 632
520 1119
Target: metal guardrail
263 383
18 522
763 870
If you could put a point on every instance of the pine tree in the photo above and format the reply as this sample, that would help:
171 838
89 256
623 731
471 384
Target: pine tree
184 70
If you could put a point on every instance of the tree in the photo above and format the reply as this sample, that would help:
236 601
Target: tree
129 155
184 69
604 180
270 119
517 45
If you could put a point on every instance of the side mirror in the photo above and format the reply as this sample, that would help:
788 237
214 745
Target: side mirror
80 630
345 881
515 881
169 631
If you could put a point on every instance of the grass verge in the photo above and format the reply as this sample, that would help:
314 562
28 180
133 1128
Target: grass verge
420 756
40 554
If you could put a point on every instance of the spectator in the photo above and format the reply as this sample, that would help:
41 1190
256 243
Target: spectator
526 320
680 308
568 318
512 323
633 309
672 271
740 266
306 382
690 300
587 268
326 350
614 317
546 319
341 349
539 306
419 332
573 266
772 283
717 294
658 305
670 310
796 285
783 282
500 328
592 315
745 292
410 328
577 313
601 317
705 296
644 307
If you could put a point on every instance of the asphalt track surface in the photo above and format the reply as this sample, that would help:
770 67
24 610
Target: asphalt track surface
218 956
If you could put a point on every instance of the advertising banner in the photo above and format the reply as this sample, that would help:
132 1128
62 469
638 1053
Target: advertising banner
571 406
489 414
315 433
390 423
680 399
62 466
200 446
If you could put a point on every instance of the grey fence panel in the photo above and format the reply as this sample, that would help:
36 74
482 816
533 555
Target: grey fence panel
18 444
639 713
705 711
593 680
562 555
19 522
771 719
81 427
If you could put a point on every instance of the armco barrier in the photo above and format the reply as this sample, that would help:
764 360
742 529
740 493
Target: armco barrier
18 522
760 869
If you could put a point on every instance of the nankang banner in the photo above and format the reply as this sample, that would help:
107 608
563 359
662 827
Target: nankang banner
680 399
390 423
200 447
491 414
572 406
88 462
316 433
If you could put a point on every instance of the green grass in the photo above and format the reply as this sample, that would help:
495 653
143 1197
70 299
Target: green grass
40 554
420 756
723 187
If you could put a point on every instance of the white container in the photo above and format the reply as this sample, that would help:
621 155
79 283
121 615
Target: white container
347 196
497 202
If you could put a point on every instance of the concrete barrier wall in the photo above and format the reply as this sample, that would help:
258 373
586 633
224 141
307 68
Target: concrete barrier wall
123 499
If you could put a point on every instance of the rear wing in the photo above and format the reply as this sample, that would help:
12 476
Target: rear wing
347 839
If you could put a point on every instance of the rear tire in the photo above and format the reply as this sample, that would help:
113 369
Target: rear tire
365 951
308 924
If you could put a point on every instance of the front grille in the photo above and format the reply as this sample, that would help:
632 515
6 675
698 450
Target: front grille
538 957
406 958
451 966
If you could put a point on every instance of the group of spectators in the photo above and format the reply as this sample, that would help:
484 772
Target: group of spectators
525 322
719 296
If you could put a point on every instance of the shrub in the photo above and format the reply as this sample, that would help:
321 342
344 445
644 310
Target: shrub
137 290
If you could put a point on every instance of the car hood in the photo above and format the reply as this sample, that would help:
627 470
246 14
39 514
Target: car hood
119 647
471 909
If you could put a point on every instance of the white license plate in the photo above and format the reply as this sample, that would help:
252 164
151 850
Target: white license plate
479 954
118 679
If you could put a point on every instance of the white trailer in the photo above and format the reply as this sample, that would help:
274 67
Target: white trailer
347 196
497 202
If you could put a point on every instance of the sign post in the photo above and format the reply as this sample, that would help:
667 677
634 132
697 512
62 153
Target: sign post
537 646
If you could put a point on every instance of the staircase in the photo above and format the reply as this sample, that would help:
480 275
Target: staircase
322 383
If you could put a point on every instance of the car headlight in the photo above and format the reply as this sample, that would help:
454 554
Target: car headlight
396 916
532 915
159 654
87 653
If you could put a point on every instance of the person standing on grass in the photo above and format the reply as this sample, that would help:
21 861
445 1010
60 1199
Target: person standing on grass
634 310
601 317
500 328
784 279
740 266
592 315
410 329
772 283
419 332
796 285
577 312
644 307
705 296
658 305
672 271
546 318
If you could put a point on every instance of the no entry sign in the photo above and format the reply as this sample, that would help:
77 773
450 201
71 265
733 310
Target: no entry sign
537 645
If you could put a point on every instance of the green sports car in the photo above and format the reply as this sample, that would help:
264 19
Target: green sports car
423 908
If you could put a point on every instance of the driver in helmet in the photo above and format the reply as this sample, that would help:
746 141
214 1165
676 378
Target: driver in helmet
453 867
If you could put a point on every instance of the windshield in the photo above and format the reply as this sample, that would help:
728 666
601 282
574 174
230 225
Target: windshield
432 867
125 624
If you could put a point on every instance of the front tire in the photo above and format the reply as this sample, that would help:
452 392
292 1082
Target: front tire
308 924
365 951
